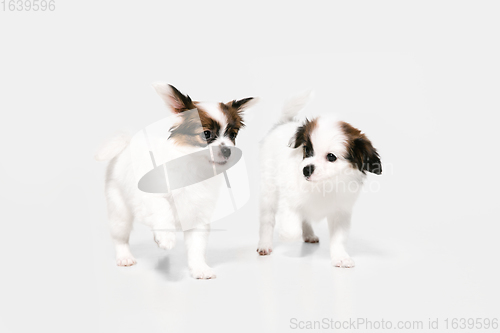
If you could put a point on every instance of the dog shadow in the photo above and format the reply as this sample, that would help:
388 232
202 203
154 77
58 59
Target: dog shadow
172 264
355 247
304 250
171 270
169 264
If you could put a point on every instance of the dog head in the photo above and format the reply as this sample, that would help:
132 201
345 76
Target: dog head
332 148
215 125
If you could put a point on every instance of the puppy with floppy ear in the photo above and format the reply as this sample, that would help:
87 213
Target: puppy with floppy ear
360 151
312 170
220 125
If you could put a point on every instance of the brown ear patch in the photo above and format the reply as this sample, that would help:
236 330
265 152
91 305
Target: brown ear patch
302 137
360 151
234 114
241 103
189 132
234 111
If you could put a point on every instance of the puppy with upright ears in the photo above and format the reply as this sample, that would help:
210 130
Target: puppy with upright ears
311 170
220 125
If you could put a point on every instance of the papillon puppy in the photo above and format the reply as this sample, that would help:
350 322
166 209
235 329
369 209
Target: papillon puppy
311 170
220 125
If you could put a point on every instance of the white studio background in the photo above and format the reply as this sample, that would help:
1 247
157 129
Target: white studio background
420 78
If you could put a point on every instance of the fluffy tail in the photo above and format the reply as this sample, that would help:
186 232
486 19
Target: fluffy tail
294 105
112 147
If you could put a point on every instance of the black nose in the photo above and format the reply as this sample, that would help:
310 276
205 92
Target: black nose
226 151
308 170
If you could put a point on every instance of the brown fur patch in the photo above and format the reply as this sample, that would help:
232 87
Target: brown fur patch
302 137
234 114
189 132
360 151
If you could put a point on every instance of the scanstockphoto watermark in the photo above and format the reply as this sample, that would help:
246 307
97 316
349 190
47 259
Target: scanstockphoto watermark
383 324
335 185
28 5
348 181
353 324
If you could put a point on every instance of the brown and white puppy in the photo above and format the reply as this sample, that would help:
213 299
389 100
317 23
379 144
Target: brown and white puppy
312 170
220 124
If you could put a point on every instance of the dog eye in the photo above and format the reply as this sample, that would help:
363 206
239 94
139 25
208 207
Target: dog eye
207 134
232 135
330 157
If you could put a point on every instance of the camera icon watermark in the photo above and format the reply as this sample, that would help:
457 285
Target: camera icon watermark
163 168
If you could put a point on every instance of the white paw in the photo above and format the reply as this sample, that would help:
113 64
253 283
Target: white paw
123 255
265 249
165 239
128 260
202 272
343 261
311 239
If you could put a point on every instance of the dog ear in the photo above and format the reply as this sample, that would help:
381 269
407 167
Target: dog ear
302 134
242 104
173 98
366 156
235 110
360 151
298 139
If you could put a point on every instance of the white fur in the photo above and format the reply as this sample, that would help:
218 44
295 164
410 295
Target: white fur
293 202
127 203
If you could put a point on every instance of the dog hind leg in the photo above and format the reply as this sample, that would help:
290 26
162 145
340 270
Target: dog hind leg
120 222
196 244
267 221
308 233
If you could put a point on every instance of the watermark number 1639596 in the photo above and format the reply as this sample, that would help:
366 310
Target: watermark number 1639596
27 5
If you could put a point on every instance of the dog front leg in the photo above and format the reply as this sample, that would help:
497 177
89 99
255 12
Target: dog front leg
339 224
196 245
160 218
266 230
